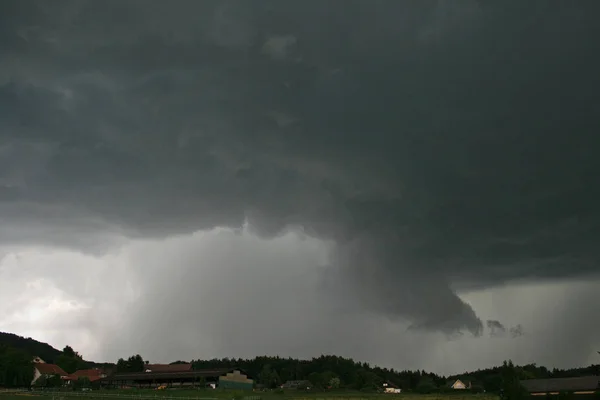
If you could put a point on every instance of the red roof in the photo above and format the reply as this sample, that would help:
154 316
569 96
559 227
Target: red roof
50 369
168 367
91 374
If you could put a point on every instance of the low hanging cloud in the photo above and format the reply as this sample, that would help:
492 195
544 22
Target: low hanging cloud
517 331
432 145
496 328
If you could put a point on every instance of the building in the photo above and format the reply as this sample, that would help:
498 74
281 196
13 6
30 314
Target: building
47 371
93 375
460 385
389 387
37 360
298 385
578 385
177 376
235 380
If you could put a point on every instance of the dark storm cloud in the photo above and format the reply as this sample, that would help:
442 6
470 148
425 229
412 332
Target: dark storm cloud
434 142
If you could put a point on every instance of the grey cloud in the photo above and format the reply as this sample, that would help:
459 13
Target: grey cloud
517 331
433 145
496 328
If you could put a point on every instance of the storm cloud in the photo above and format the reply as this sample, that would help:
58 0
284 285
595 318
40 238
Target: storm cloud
435 146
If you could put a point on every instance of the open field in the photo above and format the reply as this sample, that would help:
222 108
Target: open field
229 395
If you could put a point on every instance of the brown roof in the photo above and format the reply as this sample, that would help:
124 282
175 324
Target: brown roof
168 367
581 383
92 374
50 369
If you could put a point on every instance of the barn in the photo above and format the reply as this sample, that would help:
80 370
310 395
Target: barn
581 385
179 375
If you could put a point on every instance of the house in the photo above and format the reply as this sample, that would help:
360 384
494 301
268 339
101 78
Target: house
47 370
37 360
389 387
460 385
168 368
578 385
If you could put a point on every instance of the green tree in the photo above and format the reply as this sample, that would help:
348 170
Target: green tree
121 365
269 377
322 380
366 380
41 382
82 382
71 361
316 379
136 363
334 383
16 367
54 381
426 385
511 385
133 364
69 352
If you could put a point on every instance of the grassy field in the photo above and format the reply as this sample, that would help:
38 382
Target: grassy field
234 395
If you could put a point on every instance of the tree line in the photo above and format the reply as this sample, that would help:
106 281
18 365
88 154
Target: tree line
271 372
324 372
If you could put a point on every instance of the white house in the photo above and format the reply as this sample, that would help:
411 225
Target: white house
47 370
389 387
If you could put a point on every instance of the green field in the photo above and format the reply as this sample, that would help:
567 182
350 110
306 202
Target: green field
235 395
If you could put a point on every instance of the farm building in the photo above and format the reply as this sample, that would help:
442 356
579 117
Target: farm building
47 370
389 387
460 385
177 375
93 375
579 385
235 380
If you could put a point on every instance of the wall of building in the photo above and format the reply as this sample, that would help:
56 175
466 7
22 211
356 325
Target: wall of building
235 380
459 385
224 384
36 375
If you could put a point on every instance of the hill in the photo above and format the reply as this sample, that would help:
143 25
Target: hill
30 346
67 358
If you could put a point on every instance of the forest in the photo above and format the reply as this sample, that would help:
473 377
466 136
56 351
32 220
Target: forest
324 372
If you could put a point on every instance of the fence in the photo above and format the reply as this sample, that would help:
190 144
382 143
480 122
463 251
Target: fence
100 395
12 391
58 395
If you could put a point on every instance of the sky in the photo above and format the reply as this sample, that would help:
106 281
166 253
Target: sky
410 184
